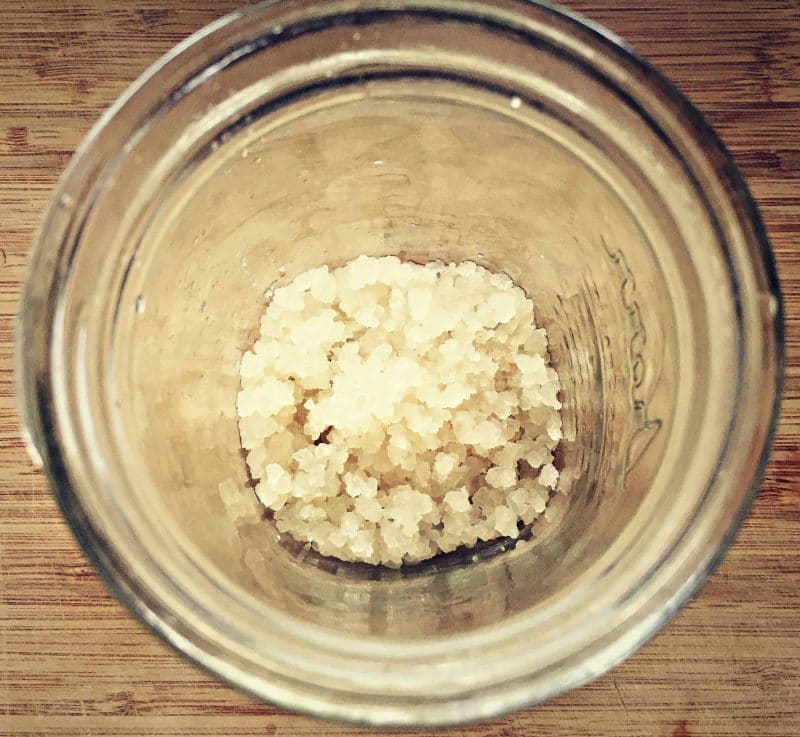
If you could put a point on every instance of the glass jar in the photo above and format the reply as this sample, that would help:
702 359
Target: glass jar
294 134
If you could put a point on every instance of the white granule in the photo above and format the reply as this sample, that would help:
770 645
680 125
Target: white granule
392 411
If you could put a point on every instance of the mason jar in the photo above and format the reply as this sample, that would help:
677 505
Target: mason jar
294 134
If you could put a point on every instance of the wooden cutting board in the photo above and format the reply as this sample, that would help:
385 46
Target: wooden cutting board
72 662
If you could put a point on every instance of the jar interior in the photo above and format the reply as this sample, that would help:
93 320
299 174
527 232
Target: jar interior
424 169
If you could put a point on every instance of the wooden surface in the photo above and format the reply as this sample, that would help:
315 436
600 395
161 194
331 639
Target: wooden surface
72 662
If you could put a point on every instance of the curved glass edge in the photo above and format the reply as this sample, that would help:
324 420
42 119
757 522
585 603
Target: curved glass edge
38 420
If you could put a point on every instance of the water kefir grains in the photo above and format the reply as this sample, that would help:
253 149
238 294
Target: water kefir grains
391 411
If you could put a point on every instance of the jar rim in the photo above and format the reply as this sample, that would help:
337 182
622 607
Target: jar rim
36 365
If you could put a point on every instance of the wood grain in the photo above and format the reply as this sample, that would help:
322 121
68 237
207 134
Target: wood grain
72 662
